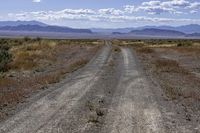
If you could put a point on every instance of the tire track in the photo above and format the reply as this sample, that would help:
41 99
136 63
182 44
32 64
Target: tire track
44 109
134 109
88 114
110 95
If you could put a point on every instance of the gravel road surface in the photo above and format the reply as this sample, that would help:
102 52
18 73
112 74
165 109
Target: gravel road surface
109 95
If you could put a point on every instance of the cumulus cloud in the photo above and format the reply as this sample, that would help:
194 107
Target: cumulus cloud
151 3
110 11
155 7
36 1
130 9
176 3
128 13
194 7
168 6
158 7
106 15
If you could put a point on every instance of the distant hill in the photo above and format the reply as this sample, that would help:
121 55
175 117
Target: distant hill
192 28
27 27
117 33
38 28
17 23
193 35
119 30
157 32
188 29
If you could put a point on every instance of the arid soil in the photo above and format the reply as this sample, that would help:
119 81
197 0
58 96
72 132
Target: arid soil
18 85
121 90
174 70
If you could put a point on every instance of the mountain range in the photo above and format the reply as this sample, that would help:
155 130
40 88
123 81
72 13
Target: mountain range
192 30
17 23
38 28
11 27
188 29
157 32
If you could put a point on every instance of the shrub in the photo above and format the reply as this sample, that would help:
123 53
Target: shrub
26 39
38 39
4 57
145 50
184 44
23 60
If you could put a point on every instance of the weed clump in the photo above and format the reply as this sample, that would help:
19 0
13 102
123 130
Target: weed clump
184 44
95 112
116 49
145 50
164 65
5 57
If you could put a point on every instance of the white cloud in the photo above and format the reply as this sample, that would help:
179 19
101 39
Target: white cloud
105 15
76 11
110 11
151 3
193 11
151 7
126 14
176 3
36 1
158 7
130 9
195 5
168 6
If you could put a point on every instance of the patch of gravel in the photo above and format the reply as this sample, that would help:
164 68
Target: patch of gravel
176 115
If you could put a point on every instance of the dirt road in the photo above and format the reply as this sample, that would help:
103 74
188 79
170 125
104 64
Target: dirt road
109 95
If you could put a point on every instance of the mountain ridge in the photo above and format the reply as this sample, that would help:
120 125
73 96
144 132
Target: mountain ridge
157 32
188 29
191 30
47 28
18 22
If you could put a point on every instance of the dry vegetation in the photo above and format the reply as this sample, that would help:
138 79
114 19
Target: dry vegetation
169 66
145 50
29 65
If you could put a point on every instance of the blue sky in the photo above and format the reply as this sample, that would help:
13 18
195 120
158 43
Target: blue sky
103 13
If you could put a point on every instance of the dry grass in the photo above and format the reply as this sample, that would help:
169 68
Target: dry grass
5 81
195 51
172 92
168 72
176 92
16 95
27 57
24 60
145 50
169 66
77 64
176 80
36 64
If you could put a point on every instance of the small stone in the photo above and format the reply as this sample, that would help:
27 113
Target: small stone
5 104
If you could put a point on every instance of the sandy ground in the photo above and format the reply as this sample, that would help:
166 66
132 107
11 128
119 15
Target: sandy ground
111 94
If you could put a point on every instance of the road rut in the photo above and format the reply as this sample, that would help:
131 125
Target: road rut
110 95
46 108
